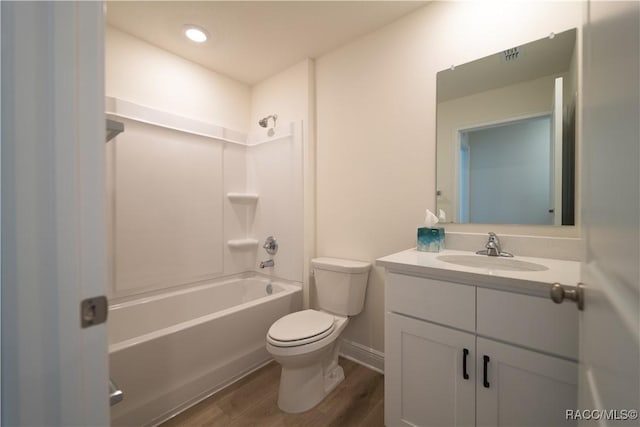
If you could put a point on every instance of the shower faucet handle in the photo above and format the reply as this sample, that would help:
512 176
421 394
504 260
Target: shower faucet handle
271 245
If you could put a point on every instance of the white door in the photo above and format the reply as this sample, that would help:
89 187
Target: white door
610 322
555 170
426 382
519 387
53 213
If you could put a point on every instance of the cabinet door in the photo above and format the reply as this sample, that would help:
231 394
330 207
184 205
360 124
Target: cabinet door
424 380
523 387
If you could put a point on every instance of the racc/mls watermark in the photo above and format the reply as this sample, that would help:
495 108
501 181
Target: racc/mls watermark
601 414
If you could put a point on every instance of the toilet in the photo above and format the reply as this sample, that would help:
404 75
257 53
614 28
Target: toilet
305 343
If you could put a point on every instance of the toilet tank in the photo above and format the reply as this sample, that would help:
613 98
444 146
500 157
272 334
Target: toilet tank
340 284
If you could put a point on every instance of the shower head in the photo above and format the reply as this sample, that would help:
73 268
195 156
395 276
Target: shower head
264 122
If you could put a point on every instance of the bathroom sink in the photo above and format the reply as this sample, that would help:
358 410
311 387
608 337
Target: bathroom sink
494 263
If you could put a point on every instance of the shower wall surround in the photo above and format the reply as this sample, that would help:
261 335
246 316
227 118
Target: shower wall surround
170 215
275 172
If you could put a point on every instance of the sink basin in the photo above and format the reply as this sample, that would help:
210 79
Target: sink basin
493 263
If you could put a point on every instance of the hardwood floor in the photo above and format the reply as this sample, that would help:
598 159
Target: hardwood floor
252 401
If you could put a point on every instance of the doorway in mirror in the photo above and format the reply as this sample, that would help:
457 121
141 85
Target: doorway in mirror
505 173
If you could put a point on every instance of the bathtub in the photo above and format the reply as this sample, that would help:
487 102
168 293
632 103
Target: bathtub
169 351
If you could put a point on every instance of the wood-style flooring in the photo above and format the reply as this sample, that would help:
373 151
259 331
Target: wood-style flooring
252 401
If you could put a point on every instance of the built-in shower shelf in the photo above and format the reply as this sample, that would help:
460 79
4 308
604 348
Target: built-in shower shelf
241 244
243 197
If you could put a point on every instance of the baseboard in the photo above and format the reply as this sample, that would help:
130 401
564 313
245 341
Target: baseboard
363 355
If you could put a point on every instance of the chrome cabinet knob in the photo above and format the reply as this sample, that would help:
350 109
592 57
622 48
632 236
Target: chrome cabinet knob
559 293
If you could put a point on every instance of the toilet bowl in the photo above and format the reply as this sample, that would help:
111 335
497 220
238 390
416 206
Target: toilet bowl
306 343
309 357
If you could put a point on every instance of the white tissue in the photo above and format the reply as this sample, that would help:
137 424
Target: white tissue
442 216
430 220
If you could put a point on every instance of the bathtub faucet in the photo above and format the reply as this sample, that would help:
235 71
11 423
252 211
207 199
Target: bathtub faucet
267 263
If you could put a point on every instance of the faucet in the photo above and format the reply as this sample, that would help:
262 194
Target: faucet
493 247
267 263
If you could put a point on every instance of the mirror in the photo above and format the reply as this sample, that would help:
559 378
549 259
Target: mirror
506 136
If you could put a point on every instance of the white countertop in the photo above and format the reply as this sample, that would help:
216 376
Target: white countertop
538 283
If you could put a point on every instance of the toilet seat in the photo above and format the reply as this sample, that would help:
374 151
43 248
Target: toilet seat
300 328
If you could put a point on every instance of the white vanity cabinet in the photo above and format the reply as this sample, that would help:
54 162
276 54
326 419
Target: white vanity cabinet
463 355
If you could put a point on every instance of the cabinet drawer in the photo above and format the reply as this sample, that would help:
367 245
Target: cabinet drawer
442 302
529 321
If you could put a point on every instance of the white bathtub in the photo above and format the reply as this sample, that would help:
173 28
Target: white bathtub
168 351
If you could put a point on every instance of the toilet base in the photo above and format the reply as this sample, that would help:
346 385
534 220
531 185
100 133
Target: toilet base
303 388
332 378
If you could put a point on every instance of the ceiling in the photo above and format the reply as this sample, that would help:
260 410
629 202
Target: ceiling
544 57
253 40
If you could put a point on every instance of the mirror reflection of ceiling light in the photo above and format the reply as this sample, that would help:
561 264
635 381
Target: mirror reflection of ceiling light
195 33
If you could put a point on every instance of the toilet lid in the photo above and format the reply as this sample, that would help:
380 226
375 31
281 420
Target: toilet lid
302 325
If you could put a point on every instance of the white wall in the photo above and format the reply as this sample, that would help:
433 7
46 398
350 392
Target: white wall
139 72
376 126
285 94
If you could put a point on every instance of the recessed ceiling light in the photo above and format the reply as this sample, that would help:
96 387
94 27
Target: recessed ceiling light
195 33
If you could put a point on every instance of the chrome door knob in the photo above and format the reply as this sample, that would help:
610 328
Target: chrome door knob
559 293
115 394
